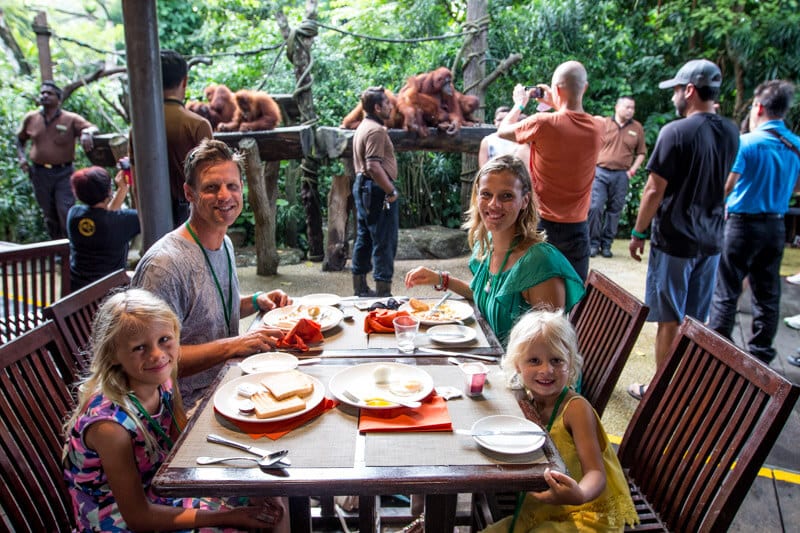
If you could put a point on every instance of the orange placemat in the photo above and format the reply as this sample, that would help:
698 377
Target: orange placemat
276 430
432 415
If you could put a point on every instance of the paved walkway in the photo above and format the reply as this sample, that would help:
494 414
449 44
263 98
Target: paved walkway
772 504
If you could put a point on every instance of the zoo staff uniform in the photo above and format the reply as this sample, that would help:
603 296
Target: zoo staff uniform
98 241
621 145
378 225
51 154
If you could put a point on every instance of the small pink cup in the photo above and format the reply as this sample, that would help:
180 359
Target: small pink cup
474 378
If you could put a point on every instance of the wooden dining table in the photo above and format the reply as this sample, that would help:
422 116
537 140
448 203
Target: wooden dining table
330 456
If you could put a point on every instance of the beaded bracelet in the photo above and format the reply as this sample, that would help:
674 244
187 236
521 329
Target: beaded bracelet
639 235
255 300
444 281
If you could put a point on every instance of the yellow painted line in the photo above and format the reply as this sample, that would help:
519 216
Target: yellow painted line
37 303
772 473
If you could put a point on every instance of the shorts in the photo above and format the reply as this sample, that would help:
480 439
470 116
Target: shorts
679 286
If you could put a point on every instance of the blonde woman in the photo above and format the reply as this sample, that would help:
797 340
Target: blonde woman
513 267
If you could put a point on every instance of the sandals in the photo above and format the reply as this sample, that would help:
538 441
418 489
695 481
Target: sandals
637 390
793 360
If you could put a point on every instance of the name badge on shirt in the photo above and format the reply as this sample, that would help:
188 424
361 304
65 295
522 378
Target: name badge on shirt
61 128
631 132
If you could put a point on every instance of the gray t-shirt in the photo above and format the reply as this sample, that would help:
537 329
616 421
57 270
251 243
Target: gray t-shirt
174 268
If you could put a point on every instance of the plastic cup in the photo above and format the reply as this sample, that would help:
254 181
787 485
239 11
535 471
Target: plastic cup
474 378
405 329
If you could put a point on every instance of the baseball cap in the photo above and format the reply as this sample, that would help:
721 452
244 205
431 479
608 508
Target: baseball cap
698 72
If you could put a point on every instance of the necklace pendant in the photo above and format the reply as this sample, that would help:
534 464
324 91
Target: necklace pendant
488 286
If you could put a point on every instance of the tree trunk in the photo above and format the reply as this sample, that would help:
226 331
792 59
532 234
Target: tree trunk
11 43
339 207
262 185
298 49
474 72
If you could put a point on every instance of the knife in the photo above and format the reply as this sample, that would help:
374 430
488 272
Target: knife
499 432
438 304
219 439
458 354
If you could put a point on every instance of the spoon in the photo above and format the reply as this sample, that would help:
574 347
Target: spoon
267 460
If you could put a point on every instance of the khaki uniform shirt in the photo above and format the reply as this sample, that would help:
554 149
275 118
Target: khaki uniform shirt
52 143
621 144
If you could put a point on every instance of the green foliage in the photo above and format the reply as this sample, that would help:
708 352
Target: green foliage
626 46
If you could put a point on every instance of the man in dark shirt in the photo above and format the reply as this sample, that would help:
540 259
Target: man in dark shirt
684 200
52 132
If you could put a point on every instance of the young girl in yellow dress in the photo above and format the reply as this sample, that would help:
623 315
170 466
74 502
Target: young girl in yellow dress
543 352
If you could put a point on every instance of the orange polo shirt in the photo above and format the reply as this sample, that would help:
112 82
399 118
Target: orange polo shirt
564 147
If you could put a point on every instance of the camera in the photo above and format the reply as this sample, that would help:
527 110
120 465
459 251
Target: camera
124 164
538 92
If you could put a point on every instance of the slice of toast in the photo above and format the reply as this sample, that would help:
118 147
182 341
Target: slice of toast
267 406
286 384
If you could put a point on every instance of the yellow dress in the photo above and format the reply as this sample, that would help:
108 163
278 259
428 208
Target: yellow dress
608 512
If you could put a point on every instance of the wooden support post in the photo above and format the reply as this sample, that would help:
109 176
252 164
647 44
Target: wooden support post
262 184
42 31
339 206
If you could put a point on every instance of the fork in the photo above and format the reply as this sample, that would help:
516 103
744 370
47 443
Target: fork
405 403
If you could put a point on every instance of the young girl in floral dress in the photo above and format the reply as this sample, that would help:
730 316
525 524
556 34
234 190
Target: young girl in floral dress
128 416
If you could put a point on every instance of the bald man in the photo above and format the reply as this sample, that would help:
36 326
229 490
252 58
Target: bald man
564 145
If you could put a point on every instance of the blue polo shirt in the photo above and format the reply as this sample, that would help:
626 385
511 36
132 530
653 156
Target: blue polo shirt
768 171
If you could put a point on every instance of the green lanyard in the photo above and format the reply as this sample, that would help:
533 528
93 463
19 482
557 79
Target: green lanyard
493 277
521 495
153 424
227 308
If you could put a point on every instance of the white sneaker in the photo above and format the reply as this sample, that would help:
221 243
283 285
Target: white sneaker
793 321
794 280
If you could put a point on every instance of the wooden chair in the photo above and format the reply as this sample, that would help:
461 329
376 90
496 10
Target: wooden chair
31 277
34 402
74 315
608 320
702 431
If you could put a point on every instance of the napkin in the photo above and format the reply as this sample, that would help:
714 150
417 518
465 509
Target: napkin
380 320
305 331
276 430
432 415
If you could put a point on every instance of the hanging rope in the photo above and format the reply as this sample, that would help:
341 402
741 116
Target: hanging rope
397 39
306 30
471 29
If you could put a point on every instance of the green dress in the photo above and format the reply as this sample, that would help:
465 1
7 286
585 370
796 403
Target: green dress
610 511
503 304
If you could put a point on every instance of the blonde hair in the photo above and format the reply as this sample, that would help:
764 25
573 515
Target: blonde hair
526 226
123 314
551 327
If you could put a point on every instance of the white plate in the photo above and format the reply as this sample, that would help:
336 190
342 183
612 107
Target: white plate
321 298
452 333
449 311
360 380
511 444
285 318
262 363
227 399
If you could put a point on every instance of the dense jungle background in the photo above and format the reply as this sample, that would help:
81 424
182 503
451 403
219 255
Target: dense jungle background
627 46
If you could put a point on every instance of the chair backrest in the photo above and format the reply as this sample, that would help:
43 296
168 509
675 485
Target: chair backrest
74 315
608 320
32 276
703 429
34 402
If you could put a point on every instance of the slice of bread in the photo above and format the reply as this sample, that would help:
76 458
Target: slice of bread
267 406
286 384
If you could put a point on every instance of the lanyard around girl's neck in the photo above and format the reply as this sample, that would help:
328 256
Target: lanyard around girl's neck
153 424
227 308
521 495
